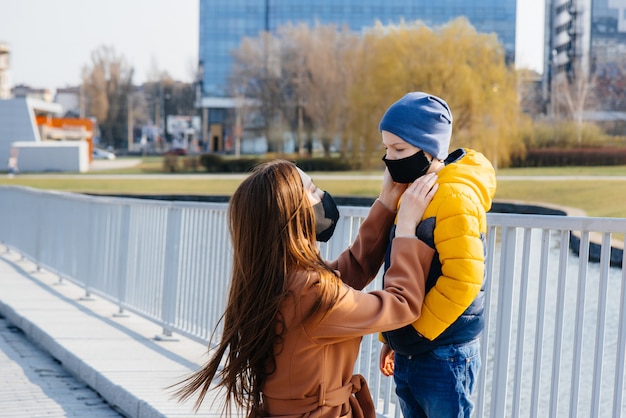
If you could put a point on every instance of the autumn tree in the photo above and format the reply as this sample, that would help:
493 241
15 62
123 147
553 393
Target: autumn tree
107 83
453 61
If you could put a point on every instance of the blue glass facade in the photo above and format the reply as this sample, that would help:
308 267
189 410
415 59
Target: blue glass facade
608 18
223 23
608 31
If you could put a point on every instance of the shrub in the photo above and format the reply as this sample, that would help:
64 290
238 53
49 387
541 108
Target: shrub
551 157
191 163
214 163
323 164
565 134
241 165
170 163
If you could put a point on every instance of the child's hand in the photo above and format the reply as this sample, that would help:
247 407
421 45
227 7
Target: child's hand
386 363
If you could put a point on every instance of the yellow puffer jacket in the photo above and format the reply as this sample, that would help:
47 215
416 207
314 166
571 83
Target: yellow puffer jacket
466 190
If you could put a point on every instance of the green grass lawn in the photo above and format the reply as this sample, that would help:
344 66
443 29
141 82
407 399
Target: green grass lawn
599 198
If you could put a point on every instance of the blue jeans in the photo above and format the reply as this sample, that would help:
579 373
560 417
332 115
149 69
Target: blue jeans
438 383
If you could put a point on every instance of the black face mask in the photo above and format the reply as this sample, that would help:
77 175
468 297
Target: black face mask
409 169
326 217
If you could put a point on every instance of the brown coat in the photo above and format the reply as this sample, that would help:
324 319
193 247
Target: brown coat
314 365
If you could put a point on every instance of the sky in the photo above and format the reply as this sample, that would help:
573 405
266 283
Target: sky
52 40
529 38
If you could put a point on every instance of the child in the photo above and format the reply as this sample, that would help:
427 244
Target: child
437 357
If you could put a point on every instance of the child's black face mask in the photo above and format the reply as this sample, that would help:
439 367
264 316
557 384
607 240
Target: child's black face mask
409 169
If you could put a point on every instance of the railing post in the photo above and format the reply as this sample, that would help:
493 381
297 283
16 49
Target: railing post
521 324
583 259
503 324
558 322
90 261
122 271
605 260
490 260
170 279
539 325
621 344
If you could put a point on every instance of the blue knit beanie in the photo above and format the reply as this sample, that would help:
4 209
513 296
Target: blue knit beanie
422 120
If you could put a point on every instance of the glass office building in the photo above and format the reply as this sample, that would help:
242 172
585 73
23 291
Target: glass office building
223 23
608 33
587 37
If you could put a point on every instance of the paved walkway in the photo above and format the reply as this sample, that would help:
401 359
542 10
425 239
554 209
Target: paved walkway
55 346
33 384
103 165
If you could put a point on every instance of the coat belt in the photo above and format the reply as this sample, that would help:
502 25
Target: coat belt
361 404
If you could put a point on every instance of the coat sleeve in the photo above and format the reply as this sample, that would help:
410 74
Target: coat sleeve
359 264
358 313
461 252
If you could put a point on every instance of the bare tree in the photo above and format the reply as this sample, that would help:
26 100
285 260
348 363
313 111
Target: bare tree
575 94
610 85
327 83
294 41
256 75
107 83
298 77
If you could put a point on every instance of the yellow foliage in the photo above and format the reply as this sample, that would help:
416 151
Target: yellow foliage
333 84
454 62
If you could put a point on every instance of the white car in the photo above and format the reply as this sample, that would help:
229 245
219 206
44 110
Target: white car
100 154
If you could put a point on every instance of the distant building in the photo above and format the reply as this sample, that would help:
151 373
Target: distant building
71 100
24 91
584 37
608 33
223 24
44 141
5 81
18 121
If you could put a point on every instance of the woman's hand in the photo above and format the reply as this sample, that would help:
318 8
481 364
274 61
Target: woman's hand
391 192
415 200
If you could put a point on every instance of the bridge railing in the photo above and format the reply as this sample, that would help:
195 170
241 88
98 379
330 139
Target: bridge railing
555 339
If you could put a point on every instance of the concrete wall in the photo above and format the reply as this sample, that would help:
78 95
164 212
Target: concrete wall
70 156
17 123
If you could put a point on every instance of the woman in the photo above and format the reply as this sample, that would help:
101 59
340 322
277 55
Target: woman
293 323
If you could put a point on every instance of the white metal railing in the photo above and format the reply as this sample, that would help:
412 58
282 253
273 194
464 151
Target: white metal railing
555 338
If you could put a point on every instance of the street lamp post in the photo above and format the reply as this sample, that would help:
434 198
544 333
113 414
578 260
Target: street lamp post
129 111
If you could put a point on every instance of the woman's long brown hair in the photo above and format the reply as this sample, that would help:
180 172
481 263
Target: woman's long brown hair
272 227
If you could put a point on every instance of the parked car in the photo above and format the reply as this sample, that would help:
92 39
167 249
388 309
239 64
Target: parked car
100 154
